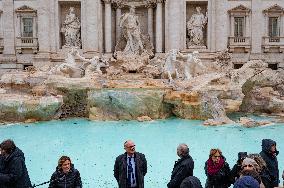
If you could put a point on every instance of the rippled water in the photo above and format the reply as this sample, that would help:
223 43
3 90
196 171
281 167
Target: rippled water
93 146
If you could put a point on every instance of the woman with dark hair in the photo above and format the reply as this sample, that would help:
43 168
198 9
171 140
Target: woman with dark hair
65 176
13 170
217 170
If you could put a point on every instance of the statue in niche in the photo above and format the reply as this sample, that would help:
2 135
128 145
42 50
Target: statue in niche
72 29
131 31
195 28
132 41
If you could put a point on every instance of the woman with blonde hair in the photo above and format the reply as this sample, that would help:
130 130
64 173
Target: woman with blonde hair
217 170
65 176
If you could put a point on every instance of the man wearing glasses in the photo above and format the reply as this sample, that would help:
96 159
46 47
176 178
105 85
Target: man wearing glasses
130 167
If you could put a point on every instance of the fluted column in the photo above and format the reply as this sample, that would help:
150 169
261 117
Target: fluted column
117 27
43 26
150 21
8 27
247 22
107 26
159 27
232 25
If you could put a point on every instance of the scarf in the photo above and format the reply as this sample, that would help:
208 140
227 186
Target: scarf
212 168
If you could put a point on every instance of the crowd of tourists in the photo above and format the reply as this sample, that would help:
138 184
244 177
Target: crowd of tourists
250 170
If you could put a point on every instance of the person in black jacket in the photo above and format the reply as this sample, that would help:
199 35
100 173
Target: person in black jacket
65 176
217 170
269 154
14 173
130 167
182 168
237 168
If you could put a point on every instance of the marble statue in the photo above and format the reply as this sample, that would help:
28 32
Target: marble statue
131 31
132 42
72 29
94 64
170 68
69 68
195 28
191 64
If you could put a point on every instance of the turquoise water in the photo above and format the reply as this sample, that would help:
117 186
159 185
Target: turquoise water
94 145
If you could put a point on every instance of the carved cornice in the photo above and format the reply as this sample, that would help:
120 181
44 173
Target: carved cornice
275 9
239 10
25 9
136 3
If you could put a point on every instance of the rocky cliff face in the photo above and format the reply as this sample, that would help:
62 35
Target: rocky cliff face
127 104
264 92
38 96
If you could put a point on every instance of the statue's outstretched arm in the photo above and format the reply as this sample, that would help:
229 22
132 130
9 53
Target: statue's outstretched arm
83 59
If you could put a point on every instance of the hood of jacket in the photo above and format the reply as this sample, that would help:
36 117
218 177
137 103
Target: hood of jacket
267 144
17 153
246 182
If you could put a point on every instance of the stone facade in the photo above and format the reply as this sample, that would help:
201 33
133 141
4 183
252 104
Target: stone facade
249 29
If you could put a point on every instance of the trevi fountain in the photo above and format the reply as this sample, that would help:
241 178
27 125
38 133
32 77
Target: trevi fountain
136 65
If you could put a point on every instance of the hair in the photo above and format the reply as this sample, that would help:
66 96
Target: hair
258 159
252 162
8 146
61 160
183 148
213 151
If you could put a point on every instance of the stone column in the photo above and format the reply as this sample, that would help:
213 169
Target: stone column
117 26
256 38
8 27
265 25
211 31
90 26
232 26
108 44
42 60
247 22
159 27
43 26
282 25
150 21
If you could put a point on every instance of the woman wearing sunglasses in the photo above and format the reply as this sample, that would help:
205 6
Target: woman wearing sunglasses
217 170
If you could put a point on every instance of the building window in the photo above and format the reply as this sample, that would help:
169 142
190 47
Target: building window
239 26
27 27
274 29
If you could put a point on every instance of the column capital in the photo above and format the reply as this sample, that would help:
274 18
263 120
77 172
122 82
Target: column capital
117 4
107 1
161 1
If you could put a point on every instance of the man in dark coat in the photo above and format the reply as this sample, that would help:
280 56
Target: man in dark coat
14 174
182 168
269 154
191 182
130 167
